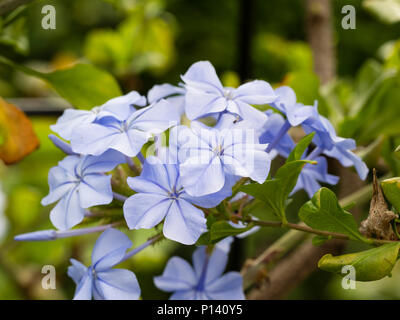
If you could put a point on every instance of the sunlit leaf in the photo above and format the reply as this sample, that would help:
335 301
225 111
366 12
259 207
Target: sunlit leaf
370 265
83 85
274 193
391 189
387 11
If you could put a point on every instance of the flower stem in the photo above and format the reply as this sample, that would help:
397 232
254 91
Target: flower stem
143 246
119 197
132 166
141 157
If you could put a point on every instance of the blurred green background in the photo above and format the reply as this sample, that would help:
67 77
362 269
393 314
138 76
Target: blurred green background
143 43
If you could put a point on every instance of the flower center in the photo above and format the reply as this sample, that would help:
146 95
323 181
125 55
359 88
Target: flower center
218 150
123 126
174 194
96 110
228 94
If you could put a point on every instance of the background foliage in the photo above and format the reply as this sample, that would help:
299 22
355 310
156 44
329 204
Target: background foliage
146 42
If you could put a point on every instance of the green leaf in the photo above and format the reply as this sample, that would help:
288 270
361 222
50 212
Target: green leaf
274 193
222 229
370 265
388 11
83 85
391 189
397 149
300 148
320 240
141 42
323 212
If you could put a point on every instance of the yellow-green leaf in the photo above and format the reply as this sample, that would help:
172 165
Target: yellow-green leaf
370 265
391 189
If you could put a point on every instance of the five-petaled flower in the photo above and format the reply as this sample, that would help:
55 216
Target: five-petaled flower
126 132
73 118
205 95
211 158
160 195
77 183
203 281
100 280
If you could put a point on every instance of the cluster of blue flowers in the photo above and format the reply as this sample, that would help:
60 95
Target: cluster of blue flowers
183 171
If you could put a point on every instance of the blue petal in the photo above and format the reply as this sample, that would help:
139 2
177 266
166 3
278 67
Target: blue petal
68 211
216 264
200 178
201 104
84 289
184 223
122 107
228 287
155 118
145 210
109 249
95 189
142 185
77 271
95 139
184 295
269 131
213 199
178 275
202 76
286 97
103 163
164 175
59 185
165 90
117 284
70 119
256 92
347 159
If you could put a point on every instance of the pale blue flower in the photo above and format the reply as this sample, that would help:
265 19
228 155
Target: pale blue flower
211 158
312 175
205 280
160 196
173 94
77 183
99 280
330 144
124 132
271 129
205 95
72 118
296 113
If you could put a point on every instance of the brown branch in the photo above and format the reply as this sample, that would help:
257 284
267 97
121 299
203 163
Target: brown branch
320 37
291 271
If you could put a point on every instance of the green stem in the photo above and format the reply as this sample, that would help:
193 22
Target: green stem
304 228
